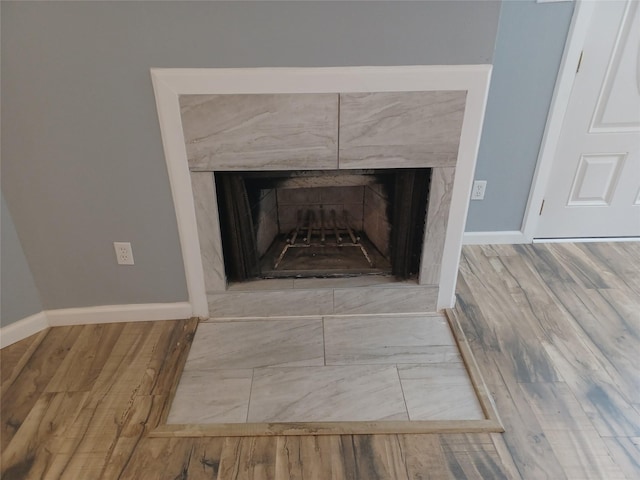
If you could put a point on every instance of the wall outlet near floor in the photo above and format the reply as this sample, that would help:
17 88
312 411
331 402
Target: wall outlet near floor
124 254
477 192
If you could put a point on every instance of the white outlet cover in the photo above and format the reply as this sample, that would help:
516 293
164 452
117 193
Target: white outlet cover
478 190
124 253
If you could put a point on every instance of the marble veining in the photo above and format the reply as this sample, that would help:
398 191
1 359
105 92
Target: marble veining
274 303
390 340
439 391
404 129
206 209
295 342
325 394
207 395
440 192
260 131
443 402
365 300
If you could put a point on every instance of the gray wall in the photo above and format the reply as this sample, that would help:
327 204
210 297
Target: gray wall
529 47
18 296
82 156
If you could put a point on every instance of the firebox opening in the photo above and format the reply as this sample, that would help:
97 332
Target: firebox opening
322 223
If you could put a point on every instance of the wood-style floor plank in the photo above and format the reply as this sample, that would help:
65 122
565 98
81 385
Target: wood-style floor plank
573 438
161 458
524 436
14 357
554 330
472 456
625 452
518 348
313 458
82 365
561 288
27 388
248 458
424 457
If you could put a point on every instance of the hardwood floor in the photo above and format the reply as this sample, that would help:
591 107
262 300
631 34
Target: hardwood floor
554 328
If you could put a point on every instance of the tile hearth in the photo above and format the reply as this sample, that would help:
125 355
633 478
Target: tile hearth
324 369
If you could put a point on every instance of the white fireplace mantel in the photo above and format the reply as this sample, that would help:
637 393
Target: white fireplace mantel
169 84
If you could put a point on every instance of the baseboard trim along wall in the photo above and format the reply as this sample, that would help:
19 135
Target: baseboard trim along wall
143 312
487 238
586 240
23 328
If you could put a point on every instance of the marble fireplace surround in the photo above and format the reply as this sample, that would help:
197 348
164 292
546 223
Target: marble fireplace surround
193 190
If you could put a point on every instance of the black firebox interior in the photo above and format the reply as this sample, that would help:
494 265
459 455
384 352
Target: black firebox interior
322 223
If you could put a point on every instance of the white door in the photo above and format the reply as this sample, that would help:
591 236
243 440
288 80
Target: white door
594 186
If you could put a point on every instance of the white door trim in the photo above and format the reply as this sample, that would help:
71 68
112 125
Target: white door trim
564 84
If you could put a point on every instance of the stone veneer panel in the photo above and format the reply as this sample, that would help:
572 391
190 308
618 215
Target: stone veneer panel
437 219
206 207
400 129
390 298
271 303
371 300
261 131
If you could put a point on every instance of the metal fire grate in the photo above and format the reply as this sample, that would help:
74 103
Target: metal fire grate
318 231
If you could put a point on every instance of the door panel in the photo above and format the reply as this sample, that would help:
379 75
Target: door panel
594 183
596 179
618 102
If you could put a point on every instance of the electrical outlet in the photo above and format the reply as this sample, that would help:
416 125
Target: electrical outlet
477 192
124 254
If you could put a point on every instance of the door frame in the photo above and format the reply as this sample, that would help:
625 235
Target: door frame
576 37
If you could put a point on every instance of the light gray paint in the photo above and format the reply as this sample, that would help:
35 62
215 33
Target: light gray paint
18 296
529 47
82 156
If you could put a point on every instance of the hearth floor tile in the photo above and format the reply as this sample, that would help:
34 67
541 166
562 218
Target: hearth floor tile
444 402
359 368
325 394
212 396
439 391
261 343
388 339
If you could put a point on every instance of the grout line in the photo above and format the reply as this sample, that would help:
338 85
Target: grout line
333 297
338 137
324 345
328 315
404 398
253 374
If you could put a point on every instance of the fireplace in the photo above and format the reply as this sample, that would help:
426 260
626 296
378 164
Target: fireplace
322 223
330 191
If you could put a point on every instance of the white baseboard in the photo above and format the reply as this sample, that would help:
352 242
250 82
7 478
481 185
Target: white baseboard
586 240
143 312
488 238
23 328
